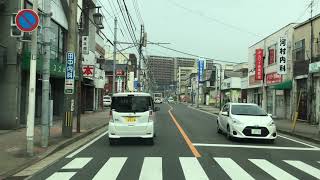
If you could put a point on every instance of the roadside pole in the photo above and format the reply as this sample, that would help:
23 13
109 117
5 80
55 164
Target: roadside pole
220 82
67 124
79 82
140 57
114 56
45 115
32 86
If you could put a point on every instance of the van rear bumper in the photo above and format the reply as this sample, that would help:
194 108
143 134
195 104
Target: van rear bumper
131 131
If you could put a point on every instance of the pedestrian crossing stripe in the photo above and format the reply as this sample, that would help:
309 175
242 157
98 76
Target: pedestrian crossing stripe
191 167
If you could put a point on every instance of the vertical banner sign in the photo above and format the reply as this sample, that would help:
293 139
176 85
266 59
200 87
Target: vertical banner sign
259 64
85 45
70 73
200 69
282 56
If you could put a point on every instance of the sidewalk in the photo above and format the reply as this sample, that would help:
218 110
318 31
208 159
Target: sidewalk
303 130
13 154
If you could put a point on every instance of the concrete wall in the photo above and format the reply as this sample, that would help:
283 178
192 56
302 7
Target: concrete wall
10 73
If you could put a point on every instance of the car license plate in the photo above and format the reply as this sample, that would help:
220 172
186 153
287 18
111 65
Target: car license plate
256 131
131 119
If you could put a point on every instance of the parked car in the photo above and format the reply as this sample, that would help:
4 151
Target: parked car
244 120
170 100
106 101
133 115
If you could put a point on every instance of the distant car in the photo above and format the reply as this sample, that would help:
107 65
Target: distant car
158 100
133 115
106 101
244 120
170 100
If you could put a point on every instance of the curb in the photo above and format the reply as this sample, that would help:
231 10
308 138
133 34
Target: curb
50 152
299 136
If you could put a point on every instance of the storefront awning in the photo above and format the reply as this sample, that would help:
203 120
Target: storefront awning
283 86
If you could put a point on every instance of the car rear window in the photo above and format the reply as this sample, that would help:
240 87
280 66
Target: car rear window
131 104
106 97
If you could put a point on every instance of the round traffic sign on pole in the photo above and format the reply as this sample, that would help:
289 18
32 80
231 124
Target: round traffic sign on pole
27 20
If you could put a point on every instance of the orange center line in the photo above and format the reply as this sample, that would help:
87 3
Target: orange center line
185 136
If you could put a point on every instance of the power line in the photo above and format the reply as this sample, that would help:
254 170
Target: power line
134 40
214 19
193 55
129 16
137 11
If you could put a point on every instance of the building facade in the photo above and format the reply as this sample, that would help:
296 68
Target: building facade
273 91
306 70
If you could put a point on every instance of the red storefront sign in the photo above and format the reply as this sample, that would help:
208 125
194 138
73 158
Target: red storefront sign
259 64
274 78
253 81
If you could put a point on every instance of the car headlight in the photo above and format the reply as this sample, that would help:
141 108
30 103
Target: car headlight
235 121
271 123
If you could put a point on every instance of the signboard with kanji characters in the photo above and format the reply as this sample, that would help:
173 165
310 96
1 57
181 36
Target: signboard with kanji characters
88 70
259 64
85 45
200 69
70 73
273 78
282 56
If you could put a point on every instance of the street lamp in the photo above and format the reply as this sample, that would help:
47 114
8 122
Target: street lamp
97 18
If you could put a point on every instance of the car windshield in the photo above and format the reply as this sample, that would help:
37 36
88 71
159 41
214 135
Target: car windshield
131 104
251 110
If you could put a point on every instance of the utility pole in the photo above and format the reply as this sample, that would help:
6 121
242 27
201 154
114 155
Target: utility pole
46 77
220 84
79 86
32 86
114 56
140 57
67 124
310 75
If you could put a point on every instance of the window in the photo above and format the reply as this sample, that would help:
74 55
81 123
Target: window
225 108
57 42
272 54
300 50
250 110
132 104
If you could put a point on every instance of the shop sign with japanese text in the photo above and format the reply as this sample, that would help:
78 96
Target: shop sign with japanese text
282 56
259 64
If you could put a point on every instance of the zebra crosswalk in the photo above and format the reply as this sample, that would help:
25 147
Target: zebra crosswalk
192 169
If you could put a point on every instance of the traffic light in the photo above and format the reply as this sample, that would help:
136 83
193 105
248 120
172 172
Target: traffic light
14 31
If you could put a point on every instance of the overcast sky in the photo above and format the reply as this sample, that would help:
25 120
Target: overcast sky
221 29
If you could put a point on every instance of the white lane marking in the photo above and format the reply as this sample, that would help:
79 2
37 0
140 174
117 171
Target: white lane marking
192 168
110 169
86 145
278 133
273 170
77 163
61 176
151 168
233 169
305 167
297 141
203 111
257 147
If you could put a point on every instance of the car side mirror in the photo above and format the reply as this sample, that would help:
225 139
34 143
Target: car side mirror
157 109
224 113
270 115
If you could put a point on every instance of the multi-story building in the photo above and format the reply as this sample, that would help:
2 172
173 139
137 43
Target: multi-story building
16 64
271 91
306 70
243 69
162 69
183 76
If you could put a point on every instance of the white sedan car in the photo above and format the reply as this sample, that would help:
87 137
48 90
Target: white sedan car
244 120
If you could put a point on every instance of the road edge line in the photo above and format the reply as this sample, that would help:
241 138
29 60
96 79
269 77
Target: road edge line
193 149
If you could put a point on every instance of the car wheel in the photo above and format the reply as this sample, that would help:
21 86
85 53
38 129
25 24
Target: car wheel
112 141
150 141
229 133
218 128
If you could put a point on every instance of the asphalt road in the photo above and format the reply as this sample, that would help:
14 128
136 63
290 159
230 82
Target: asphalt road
188 147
